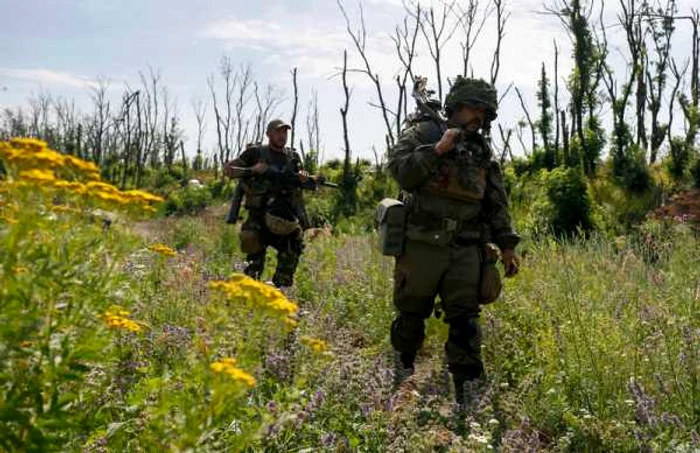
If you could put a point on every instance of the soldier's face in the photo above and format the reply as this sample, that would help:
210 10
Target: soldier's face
278 137
470 117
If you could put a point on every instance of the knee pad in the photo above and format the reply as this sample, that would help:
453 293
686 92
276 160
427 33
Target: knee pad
407 333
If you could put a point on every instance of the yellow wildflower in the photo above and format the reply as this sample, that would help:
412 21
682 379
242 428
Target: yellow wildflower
19 270
99 186
241 376
314 343
70 186
290 323
228 366
38 176
163 249
270 298
116 318
8 220
141 196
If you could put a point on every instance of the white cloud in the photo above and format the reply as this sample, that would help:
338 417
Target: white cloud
314 47
48 77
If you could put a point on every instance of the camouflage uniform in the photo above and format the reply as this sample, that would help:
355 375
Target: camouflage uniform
455 203
263 196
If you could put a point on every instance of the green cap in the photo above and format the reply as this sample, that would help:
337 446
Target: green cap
277 124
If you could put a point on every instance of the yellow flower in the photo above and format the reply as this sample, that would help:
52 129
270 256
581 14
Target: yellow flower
116 318
141 196
20 270
290 323
8 220
314 343
241 376
38 176
228 366
163 249
70 186
267 297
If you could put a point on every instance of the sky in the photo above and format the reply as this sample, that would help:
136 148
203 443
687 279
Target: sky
62 46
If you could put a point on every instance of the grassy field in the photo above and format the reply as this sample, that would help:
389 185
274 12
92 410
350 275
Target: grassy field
135 338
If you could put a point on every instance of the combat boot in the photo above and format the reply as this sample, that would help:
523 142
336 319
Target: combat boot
403 366
467 384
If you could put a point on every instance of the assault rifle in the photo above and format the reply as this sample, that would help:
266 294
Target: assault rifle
281 180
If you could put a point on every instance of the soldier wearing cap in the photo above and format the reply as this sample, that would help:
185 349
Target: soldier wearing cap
276 213
457 214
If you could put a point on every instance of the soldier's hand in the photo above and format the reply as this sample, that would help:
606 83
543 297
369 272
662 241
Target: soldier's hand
304 176
511 262
447 142
228 169
259 168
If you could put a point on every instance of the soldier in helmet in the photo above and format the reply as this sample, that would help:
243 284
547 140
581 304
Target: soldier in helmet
276 212
456 206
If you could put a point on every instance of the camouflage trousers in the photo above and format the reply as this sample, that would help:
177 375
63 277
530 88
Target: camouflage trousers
424 272
256 238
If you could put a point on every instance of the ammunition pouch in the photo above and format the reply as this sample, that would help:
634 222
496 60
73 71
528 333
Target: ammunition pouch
279 226
490 283
390 221
251 241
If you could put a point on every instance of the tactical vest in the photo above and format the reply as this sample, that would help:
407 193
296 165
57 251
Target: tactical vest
447 206
259 190
261 193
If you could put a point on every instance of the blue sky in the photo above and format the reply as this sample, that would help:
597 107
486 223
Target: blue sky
61 46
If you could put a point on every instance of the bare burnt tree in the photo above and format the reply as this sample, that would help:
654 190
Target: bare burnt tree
266 104
348 183
313 131
14 124
502 17
405 40
39 113
199 107
679 75
556 97
438 28
295 106
223 109
471 25
243 96
530 123
68 128
575 15
99 122
657 69
127 132
505 140
151 88
344 115
359 38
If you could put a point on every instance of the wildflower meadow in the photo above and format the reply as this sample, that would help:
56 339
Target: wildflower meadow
143 335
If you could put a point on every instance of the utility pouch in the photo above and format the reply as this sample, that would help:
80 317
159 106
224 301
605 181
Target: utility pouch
391 224
250 241
490 284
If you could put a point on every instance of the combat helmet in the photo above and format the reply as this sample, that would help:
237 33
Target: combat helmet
477 92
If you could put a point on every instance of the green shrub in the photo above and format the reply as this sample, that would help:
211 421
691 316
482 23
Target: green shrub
188 200
695 172
569 201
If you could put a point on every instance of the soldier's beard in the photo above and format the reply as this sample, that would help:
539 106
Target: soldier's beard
473 125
